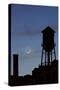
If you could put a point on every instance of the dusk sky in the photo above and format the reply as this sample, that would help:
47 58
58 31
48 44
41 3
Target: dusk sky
27 22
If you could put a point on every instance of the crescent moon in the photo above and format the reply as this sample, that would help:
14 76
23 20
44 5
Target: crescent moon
28 50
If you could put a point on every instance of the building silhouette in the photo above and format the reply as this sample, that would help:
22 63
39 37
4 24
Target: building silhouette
15 64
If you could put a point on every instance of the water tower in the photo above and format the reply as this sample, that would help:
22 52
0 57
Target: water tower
48 46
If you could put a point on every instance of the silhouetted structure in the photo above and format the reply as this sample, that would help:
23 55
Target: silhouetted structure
9 44
44 74
15 64
48 45
41 75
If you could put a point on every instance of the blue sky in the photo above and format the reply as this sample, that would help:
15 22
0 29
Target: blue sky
27 22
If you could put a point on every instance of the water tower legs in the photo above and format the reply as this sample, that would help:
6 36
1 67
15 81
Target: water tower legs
51 56
42 57
54 53
45 58
48 57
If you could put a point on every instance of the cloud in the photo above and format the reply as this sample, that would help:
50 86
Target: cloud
32 32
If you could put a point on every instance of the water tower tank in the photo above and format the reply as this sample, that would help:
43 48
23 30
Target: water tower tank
48 39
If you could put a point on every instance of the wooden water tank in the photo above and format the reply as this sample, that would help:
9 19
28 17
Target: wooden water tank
48 39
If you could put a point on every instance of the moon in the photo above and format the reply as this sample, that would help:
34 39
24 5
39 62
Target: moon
28 50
